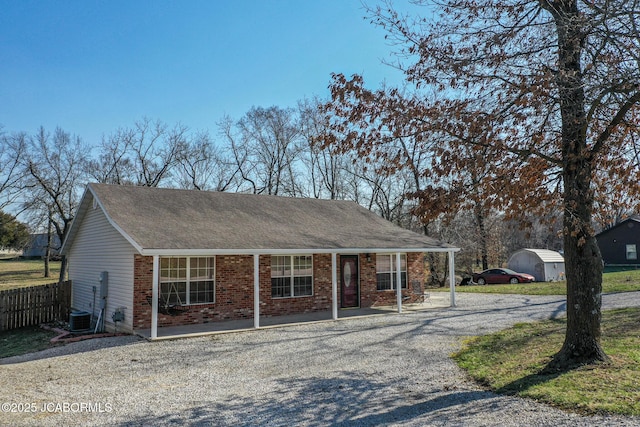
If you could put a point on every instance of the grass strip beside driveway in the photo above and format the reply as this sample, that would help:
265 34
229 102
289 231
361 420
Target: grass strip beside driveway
621 281
508 362
24 340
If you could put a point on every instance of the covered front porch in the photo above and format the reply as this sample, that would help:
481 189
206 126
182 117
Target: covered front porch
433 301
259 320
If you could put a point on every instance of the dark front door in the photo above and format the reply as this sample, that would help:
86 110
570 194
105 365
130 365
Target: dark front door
349 281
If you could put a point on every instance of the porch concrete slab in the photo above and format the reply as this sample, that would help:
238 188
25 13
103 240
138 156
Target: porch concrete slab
439 300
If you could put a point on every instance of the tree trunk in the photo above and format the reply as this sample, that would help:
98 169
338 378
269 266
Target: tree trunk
63 269
583 261
482 233
47 254
47 257
583 264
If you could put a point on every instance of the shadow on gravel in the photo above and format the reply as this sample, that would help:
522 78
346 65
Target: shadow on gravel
339 401
463 322
525 383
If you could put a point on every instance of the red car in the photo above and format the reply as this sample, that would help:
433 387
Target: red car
501 275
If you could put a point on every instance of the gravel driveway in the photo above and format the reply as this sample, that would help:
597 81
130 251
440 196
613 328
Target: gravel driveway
383 370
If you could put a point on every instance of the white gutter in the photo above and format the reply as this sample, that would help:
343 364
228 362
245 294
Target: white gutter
289 251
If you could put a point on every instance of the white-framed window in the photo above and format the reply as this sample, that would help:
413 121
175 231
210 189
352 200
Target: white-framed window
188 280
632 252
386 271
291 276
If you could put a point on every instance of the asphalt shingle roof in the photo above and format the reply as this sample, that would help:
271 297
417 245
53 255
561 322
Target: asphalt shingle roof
172 219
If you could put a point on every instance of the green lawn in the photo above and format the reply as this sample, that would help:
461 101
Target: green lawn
17 274
24 340
22 273
621 281
509 361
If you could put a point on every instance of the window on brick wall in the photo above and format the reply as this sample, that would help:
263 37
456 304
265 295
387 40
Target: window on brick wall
188 280
291 276
386 271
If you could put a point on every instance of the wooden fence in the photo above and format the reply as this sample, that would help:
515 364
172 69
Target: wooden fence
34 305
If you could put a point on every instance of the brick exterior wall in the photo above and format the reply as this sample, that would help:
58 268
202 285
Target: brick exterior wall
142 282
370 296
234 290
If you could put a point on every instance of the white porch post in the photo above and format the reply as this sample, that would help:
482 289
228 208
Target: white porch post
256 291
154 297
452 277
334 285
398 283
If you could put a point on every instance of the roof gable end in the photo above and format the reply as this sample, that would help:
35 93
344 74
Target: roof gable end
635 221
91 201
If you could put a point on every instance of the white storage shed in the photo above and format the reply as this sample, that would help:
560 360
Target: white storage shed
543 264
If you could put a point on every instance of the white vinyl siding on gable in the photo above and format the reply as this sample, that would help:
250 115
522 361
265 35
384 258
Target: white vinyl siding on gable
99 247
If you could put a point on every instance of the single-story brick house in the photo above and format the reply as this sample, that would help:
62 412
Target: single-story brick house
152 257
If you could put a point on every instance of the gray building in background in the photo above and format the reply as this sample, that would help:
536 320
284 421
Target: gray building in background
619 245
37 247
543 264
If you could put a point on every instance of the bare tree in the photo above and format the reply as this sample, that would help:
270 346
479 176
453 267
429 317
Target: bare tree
145 154
326 170
156 149
114 163
534 231
12 148
54 170
265 147
204 166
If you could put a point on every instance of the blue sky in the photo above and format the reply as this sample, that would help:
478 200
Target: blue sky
92 66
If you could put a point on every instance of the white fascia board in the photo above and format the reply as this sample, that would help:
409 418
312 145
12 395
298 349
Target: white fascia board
209 252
